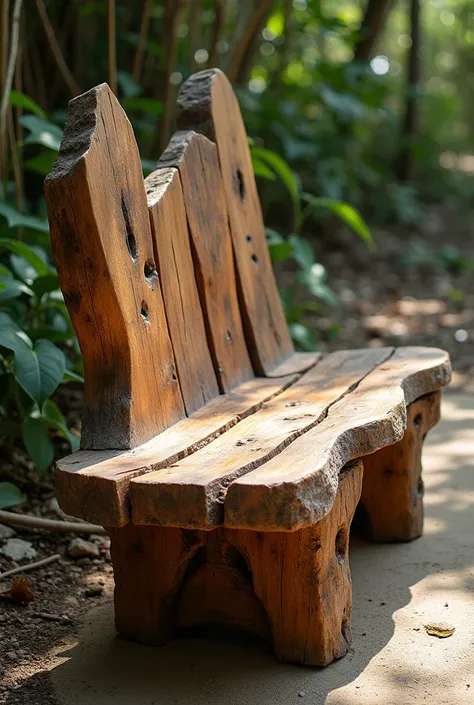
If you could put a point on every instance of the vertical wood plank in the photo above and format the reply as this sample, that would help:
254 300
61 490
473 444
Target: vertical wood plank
207 104
198 164
176 270
103 249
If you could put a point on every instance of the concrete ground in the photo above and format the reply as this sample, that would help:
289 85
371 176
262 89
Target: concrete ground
397 589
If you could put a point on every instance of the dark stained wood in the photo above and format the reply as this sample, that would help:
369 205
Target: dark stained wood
291 588
196 158
391 507
94 484
191 492
208 104
101 240
169 226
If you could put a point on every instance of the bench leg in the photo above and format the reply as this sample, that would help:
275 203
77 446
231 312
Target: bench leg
291 588
303 580
391 506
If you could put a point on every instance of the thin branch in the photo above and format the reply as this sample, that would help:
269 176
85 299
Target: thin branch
3 40
144 29
16 165
67 527
7 86
112 45
173 9
56 49
219 20
30 566
250 16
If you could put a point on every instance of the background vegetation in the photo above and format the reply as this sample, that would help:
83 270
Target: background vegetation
352 108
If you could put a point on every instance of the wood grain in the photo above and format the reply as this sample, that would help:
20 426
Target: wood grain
169 226
190 493
297 487
197 161
101 241
293 589
391 506
207 103
94 485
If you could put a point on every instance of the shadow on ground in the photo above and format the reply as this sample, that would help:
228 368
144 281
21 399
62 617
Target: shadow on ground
397 589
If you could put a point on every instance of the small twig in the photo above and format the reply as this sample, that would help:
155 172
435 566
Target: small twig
7 85
30 566
111 34
67 527
51 617
56 49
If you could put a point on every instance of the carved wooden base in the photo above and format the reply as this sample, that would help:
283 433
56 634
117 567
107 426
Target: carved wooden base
291 588
391 506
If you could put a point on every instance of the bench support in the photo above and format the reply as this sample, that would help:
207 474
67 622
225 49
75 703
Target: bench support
391 506
291 588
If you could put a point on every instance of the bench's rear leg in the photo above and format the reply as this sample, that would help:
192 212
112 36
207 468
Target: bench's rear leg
302 579
392 492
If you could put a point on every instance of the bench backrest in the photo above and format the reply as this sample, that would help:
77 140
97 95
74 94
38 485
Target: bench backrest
168 281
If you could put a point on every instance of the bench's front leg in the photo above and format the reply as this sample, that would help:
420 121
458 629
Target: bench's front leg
391 507
302 578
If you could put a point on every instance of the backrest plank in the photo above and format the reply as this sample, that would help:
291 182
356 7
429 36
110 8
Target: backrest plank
183 309
198 164
103 249
207 104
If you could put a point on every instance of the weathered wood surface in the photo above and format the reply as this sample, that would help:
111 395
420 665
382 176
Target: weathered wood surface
197 161
207 103
297 487
291 588
391 507
94 485
191 492
102 245
186 325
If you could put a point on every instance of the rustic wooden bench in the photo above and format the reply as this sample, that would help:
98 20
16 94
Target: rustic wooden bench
226 467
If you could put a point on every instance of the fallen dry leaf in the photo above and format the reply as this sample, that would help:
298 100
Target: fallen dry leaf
19 591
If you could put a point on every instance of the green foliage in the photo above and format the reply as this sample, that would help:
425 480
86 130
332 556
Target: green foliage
10 495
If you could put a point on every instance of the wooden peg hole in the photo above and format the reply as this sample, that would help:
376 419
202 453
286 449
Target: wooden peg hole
149 271
341 545
255 259
130 237
240 179
144 312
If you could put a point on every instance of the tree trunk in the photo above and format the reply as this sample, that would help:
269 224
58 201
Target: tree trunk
405 160
376 13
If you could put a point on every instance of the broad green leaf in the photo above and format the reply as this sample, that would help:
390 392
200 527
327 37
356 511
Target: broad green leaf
20 100
37 442
5 272
41 164
302 251
303 336
42 132
18 220
22 269
283 171
10 495
45 284
11 335
12 288
280 252
21 249
54 417
273 236
70 376
151 106
348 214
39 370
262 170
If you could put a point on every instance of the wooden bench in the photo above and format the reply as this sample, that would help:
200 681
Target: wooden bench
226 467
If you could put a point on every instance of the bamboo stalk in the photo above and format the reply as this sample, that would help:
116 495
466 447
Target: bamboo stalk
7 86
112 45
56 49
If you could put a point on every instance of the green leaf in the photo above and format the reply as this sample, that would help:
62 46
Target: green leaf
39 370
280 252
303 336
18 220
38 443
20 100
41 164
11 335
10 495
54 417
70 376
21 249
12 288
45 284
262 170
302 251
151 106
42 132
283 171
348 214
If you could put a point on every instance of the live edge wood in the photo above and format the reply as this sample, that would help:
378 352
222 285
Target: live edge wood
391 506
103 249
207 104
291 588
